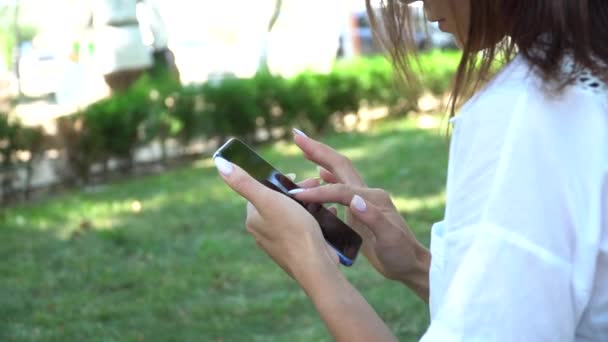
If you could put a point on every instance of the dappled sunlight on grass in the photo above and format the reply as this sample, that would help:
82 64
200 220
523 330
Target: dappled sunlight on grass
389 126
413 204
355 153
169 253
110 206
287 149
206 163
426 121
67 217
385 148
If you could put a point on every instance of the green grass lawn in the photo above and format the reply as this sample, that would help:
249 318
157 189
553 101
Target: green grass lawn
87 265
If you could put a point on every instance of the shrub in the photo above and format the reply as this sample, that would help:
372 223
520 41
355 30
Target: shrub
30 139
82 147
186 107
9 131
160 125
15 137
155 98
376 79
306 101
437 72
272 98
116 121
344 92
380 86
8 138
232 108
109 128
160 109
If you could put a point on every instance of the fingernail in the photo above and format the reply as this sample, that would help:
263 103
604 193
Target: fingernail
359 203
298 132
291 176
223 166
296 191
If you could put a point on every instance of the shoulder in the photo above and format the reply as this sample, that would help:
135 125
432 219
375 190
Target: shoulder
519 107
530 145
518 84
554 156
568 128
501 94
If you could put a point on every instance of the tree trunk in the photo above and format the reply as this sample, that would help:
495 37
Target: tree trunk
29 173
17 33
163 151
273 20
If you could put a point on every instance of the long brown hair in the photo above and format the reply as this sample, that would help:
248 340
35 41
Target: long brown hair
544 32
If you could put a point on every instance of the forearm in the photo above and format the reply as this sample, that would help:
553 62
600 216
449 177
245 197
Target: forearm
418 278
345 312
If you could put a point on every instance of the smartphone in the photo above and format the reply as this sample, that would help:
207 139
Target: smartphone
338 234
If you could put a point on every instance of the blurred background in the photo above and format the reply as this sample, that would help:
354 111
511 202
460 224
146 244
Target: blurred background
114 225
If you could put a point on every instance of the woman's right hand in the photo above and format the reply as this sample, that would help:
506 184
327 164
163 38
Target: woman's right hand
388 243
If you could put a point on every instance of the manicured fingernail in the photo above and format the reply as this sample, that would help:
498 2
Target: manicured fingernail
298 132
224 166
359 203
296 191
291 176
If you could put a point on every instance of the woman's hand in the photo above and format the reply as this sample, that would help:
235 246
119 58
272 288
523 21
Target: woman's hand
281 226
293 238
388 243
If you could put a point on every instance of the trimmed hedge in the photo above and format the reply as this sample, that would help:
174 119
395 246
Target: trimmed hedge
160 110
14 137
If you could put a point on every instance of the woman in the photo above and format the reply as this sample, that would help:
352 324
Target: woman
522 254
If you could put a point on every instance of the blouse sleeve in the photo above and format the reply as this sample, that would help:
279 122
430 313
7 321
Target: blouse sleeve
527 270
506 288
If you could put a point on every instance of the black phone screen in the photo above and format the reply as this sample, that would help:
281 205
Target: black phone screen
336 232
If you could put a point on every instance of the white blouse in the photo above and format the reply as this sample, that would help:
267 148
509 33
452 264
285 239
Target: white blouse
522 254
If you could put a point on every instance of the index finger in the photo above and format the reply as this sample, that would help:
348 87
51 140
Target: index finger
331 193
329 159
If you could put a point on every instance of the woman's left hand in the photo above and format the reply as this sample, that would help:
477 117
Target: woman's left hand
281 227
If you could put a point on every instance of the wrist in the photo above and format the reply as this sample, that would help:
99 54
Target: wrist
309 271
417 278
324 286
345 312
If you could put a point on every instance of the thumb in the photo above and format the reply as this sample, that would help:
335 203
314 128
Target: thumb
242 183
370 215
